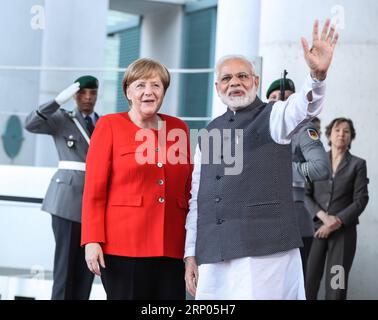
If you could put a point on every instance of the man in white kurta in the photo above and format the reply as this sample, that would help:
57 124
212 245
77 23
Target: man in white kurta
278 275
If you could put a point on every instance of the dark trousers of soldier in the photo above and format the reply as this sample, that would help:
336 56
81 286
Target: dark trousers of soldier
152 278
306 229
337 253
72 278
305 252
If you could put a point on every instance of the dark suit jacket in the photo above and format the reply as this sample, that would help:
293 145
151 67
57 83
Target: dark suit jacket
344 195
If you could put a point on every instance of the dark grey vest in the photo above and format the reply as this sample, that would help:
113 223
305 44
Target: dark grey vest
249 214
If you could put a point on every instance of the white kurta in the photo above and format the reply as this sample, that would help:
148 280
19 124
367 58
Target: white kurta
276 276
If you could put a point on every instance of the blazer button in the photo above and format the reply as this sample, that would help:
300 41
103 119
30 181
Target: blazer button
160 182
161 200
218 177
220 221
217 199
57 180
159 164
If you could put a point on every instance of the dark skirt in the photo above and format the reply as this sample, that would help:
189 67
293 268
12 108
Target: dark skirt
152 278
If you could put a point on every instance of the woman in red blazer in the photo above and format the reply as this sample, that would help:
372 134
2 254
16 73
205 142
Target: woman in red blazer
136 193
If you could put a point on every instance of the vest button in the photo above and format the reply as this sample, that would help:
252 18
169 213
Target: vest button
217 199
218 177
220 221
160 182
159 164
232 119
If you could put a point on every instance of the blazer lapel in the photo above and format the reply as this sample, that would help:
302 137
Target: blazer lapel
344 162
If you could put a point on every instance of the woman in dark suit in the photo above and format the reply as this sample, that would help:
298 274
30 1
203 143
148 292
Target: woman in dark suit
137 187
336 205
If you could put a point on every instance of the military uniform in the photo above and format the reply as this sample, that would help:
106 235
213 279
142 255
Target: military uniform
72 279
310 163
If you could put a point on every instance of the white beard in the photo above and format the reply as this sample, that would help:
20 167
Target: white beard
237 103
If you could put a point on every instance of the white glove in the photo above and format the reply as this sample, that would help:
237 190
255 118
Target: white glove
67 93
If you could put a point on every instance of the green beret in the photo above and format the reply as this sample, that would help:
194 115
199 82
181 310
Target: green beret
87 82
289 85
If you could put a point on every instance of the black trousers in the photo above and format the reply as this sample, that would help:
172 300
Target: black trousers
339 250
72 278
305 251
152 278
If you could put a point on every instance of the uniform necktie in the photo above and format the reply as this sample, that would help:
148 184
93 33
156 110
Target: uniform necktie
90 125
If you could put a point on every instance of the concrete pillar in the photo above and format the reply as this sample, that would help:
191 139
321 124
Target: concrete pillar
161 40
238 32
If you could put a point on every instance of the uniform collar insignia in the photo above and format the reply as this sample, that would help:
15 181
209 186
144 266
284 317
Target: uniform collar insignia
72 114
313 134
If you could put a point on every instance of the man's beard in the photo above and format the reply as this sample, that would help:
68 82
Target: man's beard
237 103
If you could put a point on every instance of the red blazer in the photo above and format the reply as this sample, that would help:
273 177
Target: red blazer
133 209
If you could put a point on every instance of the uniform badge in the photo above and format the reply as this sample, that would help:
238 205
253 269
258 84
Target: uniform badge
72 114
70 142
313 134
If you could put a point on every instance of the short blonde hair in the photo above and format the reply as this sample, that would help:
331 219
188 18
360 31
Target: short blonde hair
143 69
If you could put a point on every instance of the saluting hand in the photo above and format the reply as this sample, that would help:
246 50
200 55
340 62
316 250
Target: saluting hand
319 56
67 93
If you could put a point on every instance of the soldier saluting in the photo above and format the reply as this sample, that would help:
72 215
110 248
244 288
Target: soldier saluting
71 131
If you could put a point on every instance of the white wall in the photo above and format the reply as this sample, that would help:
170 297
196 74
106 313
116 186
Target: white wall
351 92
239 37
